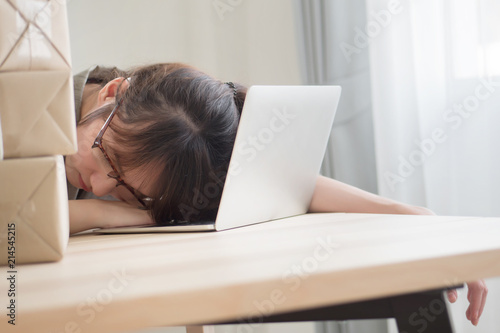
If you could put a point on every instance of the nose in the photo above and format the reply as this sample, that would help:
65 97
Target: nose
102 184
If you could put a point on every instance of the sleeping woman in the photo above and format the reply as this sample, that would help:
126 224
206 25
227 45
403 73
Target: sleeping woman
150 137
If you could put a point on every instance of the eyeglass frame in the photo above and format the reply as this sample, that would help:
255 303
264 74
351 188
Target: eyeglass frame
141 198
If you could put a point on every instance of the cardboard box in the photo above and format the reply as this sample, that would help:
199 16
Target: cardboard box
34 215
37 112
34 35
1 141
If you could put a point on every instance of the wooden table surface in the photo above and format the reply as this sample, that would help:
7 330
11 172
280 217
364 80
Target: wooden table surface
114 283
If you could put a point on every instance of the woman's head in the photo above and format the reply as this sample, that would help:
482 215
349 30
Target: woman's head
172 136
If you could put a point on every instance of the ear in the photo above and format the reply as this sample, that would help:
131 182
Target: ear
108 93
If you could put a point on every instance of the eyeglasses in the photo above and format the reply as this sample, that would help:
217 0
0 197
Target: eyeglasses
114 174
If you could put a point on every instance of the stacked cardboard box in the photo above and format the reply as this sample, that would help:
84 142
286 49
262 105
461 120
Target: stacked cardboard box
37 127
1 141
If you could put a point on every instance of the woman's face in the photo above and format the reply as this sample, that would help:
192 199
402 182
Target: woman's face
88 169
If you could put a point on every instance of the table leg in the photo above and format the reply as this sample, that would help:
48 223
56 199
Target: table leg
422 312
200 329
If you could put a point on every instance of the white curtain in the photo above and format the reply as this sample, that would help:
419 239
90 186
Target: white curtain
436 96
350 157
322 24
421 83
435 78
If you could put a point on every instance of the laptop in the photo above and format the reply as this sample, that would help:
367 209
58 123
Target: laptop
278 151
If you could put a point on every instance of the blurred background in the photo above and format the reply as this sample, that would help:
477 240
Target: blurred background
420 108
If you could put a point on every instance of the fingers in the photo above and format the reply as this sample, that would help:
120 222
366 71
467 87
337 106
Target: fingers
469 308
476 295
483 300
452 295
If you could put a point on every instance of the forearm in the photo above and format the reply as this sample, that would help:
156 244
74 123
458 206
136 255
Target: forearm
82 215
94 213
333 196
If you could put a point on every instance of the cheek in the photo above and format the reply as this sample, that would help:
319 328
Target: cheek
83 161
84 139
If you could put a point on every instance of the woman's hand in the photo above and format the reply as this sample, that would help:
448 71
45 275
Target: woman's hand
94 213
476 294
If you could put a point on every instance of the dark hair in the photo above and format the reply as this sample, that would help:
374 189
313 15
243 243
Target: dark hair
102 75
184 126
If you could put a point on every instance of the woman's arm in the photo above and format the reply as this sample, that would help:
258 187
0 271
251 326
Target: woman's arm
94 213
333 196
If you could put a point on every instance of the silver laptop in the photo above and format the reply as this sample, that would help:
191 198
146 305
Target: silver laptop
277 155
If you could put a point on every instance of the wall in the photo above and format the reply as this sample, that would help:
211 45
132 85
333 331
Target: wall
252 42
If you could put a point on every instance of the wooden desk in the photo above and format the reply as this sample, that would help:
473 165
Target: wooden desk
125 282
